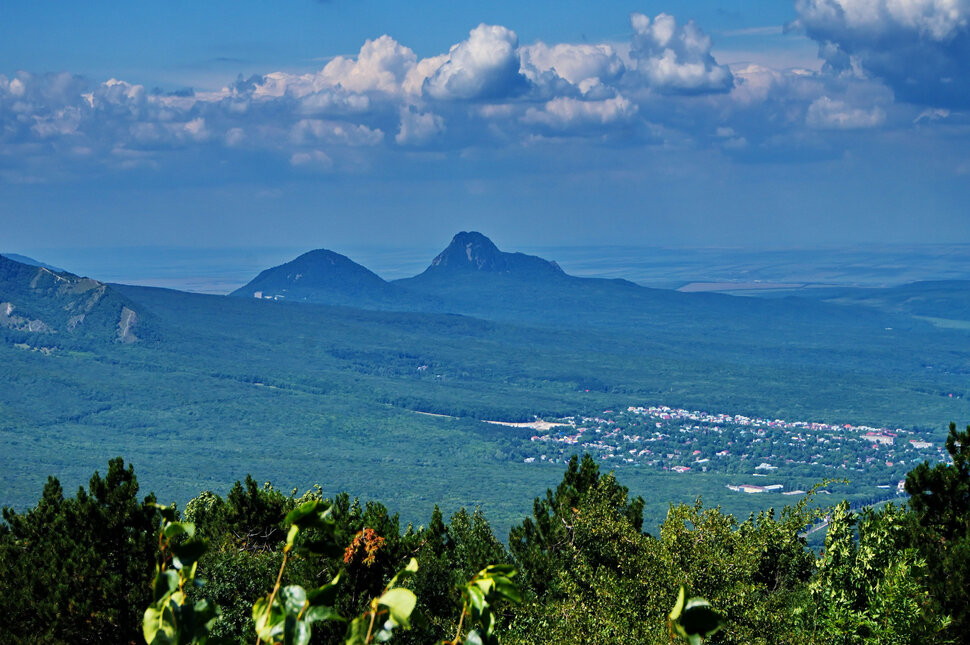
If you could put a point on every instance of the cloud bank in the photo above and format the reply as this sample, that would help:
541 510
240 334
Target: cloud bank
920 48
890 64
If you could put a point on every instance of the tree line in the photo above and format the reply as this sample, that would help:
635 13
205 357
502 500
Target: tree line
104 566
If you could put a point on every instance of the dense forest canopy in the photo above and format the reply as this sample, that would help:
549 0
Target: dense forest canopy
83 568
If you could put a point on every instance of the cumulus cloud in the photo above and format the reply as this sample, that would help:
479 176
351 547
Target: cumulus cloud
485 66
335 132
565 113
828 114
418 128
574 63
490 91
313 158
381 65
676 59
921 48
937 20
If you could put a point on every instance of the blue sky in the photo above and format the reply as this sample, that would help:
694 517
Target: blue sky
329 124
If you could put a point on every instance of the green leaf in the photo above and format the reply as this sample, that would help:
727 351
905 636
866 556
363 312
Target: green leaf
476 600
167 512
473 638
268 624
158 625
679 605
400 602
412 566
188 553
291 535
294 599
699 618
325 546
165 583
485 584
325 595
321 613
405 573
295 632
313 514
508 590
357 631
174 529
302 511
506 570
207 613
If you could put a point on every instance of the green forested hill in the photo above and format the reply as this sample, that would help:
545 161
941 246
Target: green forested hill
337 391
325 277
43 308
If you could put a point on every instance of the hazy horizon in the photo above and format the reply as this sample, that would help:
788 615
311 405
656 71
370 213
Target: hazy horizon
221 270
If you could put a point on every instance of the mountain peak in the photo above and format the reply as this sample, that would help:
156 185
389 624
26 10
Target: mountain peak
470 251
316 276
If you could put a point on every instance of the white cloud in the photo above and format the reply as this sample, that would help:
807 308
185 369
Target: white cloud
16 87
423 70
492 94
932 114
575 63
920 48
485 66
937 20
825 113
333 101
335 132
381 65
312 158
195 129
419 128
235 137
565 113
62 122
676 59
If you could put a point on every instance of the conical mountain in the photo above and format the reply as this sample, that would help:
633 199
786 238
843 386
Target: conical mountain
472 252
44 308
320 276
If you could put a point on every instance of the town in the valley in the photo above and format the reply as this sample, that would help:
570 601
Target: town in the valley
764 455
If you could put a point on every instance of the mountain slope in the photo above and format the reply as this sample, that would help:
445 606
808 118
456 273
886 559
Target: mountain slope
40 307
472 252
23 259
321 276
473 277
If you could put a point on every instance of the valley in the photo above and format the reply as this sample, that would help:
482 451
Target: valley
322 392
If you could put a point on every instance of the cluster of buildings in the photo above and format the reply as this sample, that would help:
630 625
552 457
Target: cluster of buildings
685 441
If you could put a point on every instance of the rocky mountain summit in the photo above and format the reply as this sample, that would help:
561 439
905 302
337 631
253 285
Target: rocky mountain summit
472 251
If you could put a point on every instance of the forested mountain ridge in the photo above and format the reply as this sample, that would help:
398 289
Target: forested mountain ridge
42 307
236 374
473 276
321 276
